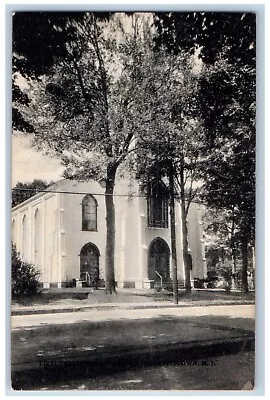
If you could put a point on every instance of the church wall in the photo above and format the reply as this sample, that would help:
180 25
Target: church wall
48 260
74 238
62 237
196 243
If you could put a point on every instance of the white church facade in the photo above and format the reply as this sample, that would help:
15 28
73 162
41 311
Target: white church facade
63 233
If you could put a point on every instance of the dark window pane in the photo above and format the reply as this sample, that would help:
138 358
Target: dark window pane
89 213
157 206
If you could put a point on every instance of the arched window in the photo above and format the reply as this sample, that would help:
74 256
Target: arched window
157 205
37 238
24 236
89 213
13 230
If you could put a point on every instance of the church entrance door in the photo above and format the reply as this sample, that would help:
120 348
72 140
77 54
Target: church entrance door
159 261
89 265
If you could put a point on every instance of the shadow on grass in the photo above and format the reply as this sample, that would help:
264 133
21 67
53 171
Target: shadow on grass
45 298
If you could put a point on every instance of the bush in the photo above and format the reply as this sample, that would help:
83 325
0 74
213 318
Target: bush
199 283
24 276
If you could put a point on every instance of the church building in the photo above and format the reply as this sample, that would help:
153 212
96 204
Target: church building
63 233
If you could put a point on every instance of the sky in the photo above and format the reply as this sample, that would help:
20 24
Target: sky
28 164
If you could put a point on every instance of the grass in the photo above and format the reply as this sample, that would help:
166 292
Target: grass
210 294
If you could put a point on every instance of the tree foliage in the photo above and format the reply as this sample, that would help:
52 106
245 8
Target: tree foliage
169 137
209 33
24 276
36 44
230 166
222 246
81 109
39 39
226 43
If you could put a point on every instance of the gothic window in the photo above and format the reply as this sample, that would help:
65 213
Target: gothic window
157 205
37 238
89 213
13 231
24 236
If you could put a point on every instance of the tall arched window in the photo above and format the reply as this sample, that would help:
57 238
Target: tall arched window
13 227
37 238
157 205
89 213
24 236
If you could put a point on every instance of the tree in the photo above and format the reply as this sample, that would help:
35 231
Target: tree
209 34
23 191
169 137
39 39
33 60
222 242
81 109
230 167
24 276
226 44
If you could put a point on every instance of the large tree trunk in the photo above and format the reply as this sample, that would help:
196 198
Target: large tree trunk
173 236
184 233
110 222
244 251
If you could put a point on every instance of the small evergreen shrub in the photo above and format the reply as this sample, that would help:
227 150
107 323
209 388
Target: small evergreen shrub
24 276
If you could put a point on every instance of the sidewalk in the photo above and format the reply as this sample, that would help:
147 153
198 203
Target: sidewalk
125 299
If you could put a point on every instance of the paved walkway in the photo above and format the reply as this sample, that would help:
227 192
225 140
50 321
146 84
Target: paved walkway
245 312
130 299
